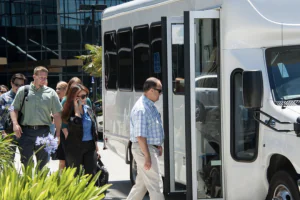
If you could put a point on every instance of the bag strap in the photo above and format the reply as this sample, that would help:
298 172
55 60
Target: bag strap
100 162
26 91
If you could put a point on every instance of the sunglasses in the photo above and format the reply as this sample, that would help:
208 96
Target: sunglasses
60 88
18 85
2 91
158 90
82 96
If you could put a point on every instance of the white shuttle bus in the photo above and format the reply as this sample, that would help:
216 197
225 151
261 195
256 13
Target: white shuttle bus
230 106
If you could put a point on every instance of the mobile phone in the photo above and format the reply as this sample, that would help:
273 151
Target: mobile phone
79 102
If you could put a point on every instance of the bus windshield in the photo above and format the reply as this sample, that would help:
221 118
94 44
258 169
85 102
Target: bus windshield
283 65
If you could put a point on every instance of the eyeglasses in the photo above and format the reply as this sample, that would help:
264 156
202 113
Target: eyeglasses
82 96
60 88
2 91
42 78
158 90
18 85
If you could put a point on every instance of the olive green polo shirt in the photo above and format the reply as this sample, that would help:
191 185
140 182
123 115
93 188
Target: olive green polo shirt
38 105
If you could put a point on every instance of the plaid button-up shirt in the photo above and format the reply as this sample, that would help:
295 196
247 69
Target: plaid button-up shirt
145 121
6 100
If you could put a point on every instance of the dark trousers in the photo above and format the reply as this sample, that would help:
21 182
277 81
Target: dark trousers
27 145
83 154
61 155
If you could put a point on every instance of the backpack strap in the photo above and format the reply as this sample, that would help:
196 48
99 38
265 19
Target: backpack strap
26 91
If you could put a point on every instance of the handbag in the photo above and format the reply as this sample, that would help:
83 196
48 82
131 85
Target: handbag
103 178
8 126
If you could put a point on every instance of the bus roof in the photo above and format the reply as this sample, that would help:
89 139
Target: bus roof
278 11
129 6
139 4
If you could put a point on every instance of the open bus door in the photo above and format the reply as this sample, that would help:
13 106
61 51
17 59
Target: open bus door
202 105
192 118
173 108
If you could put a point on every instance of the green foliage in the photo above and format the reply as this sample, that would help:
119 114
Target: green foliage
5 152
93 61
34 184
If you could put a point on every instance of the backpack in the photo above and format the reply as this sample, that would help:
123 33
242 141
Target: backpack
103 178
8 125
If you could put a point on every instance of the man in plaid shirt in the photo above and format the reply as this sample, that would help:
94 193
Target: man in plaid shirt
6 99
147 135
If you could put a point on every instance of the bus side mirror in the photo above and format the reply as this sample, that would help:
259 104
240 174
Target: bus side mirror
253 89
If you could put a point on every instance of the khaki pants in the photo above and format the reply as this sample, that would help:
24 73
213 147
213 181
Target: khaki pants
146 179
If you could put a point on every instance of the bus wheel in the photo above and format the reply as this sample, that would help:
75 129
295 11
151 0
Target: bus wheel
283 186
133 170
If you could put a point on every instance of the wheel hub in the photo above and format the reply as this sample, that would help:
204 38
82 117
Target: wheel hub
282 193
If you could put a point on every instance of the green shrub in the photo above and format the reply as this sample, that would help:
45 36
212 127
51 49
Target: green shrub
34 184
5 152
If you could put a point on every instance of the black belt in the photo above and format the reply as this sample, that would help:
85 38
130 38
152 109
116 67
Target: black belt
36 127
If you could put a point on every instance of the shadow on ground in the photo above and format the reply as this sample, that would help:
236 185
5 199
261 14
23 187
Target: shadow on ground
119 190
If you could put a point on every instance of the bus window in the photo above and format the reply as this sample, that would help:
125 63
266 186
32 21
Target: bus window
125 59
110 60
245 128
155 41
141 56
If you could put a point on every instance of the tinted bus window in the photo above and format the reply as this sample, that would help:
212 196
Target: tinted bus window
141 56
125 59
155 42
245 128
110 60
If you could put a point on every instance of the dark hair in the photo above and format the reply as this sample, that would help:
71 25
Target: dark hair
18 76
69 104
150 83
71 81
4 86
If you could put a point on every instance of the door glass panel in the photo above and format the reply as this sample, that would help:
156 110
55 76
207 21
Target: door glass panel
207 95
177 49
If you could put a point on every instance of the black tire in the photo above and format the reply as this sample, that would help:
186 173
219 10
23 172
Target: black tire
133 169
283 185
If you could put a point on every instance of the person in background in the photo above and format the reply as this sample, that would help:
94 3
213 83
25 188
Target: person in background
74 81
6 99
61 147
147 136
38 106
61 89
81 132
3 89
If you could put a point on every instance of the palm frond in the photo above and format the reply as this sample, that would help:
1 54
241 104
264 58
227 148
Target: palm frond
92 61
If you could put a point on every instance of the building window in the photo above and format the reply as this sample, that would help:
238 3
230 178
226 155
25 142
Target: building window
125 59
110 60
141 56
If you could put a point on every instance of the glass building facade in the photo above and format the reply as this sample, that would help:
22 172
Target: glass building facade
48 33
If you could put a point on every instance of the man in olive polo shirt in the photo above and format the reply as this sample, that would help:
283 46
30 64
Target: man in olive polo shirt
38 105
